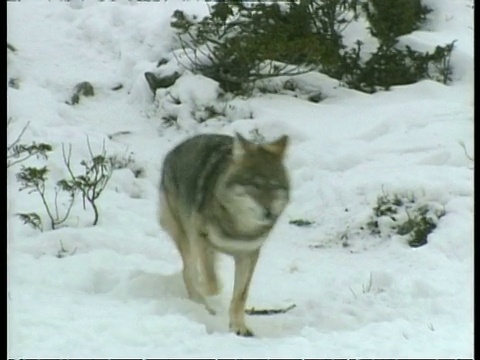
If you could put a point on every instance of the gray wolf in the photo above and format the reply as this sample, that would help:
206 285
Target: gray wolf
222 194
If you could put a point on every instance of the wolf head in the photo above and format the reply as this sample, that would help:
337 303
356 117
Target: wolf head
255 188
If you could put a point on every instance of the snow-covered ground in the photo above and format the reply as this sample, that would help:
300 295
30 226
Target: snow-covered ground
118 291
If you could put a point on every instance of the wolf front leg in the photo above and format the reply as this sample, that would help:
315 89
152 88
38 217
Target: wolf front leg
207 260
244 267
188 250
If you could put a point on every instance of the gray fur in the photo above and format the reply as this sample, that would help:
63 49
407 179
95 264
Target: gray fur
222 194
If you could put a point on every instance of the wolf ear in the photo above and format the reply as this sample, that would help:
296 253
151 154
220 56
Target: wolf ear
240 146
278 146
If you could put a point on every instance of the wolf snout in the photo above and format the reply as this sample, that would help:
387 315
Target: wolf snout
269 215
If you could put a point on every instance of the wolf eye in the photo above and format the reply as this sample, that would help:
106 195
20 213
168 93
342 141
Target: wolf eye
254 186
276 185
238 190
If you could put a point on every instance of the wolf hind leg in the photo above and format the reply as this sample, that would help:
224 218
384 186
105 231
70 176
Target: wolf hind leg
176 231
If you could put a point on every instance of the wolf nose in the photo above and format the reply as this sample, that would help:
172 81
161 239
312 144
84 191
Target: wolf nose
268 214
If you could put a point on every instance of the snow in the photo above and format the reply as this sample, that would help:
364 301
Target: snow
117 290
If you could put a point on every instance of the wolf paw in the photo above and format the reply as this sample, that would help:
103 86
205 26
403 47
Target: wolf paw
242 331
210 310
245 333
200 299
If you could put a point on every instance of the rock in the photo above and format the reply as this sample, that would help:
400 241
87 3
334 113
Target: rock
155 82
81 89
